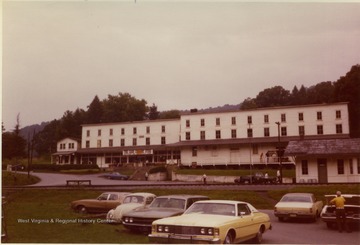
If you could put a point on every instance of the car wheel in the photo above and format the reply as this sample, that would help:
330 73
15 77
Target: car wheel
228 239
82 209
258 238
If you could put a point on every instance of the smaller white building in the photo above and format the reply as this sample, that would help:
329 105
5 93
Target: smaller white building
326 161
66 151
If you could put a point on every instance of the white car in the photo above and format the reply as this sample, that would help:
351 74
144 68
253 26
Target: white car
131 202
298 205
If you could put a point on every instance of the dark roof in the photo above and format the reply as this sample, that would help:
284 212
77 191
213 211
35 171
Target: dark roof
323 147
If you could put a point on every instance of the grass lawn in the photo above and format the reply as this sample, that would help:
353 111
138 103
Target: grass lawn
44 216
17 178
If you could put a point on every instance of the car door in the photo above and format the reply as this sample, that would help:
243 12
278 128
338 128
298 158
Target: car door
112 202
246 222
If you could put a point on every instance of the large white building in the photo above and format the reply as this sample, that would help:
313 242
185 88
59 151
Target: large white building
233 138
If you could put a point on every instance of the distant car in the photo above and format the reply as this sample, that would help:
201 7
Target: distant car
299 206
352 210
257 178
115 175
131 202
163 206
102 204
212 221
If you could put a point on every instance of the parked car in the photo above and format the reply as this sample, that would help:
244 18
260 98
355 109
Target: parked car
163 206
352 210
257 178
102 204
298 205
131 202
212 221
115 175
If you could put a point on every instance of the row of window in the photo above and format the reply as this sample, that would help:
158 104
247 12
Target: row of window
340 167
319 117
70 146
122 142
134 129
283 132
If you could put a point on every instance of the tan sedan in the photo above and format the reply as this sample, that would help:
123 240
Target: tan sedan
102 204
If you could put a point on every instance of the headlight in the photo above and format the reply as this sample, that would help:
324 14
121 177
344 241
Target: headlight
166 228
160 228
126 219
216 232
207 231
131 220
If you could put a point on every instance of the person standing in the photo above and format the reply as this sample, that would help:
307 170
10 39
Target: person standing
278 175
204 179
339 202
146 176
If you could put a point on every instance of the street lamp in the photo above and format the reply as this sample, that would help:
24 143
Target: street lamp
279 152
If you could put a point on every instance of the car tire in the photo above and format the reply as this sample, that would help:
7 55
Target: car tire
258 238
228 239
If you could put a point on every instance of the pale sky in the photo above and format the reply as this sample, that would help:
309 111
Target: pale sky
57 55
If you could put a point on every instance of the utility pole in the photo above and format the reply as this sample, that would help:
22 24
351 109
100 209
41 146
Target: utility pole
279 153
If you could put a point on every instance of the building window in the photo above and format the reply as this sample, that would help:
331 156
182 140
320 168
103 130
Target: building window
99 132
194 151
202 122
283 117
147 140
188 123
249 119
163 140
283 131
218 134
218 121
301 130
351 166
134 130
202 135
233 121
339 128
87 144
266 132
233 133
122 131
266 118
320 129
340 166
148 129
358 165
98 143
255 149
71 145
163 129
304 167
249 133
134 141
88 133
110 143
122 142
338 114
187 135
319 115
301 116
111 132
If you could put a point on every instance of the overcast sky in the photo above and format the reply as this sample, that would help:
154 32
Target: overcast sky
57 55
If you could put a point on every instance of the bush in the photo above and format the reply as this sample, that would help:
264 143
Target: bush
160 169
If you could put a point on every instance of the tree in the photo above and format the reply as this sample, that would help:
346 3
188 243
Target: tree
95 111
153 112
13 145
321 93
172 114
275 96
248 103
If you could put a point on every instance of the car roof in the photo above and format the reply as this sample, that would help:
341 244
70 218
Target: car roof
221 201
298 194
141 194
118 193
182 196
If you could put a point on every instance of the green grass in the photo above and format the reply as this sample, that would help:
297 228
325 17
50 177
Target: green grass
17 179
50 205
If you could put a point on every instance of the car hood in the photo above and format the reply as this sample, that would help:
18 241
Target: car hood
155 212
207 220
125 208
293 205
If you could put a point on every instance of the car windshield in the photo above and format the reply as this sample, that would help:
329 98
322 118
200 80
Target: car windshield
292 198
212 208
134 199
354 200
168 203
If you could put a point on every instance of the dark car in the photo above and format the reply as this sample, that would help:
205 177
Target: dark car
162 207
257 178
115 175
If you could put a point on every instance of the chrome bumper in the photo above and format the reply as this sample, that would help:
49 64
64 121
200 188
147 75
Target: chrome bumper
181 239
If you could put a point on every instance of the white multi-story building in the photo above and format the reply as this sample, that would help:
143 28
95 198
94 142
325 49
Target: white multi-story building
233 138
